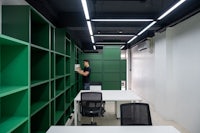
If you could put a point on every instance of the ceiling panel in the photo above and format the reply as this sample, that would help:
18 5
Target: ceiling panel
69 14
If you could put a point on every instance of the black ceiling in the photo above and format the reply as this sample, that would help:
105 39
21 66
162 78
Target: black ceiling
69 14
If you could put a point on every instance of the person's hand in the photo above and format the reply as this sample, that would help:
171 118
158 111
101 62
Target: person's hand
78 69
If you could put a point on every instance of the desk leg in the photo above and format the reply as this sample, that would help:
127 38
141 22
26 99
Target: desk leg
75 112
115 107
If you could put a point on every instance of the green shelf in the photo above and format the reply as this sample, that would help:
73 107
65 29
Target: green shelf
7 90
59 86
61 121
23 128
39 65
52 39
53 112
39 31
67 67
35 107
13 110
52 89
10 124
60 65
58 115
38 82
40 122
59 107
52 65
60 41
10 41
68 46
39 97
16 26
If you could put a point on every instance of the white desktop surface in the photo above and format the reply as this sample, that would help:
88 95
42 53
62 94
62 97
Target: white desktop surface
114 95
107 95
112 129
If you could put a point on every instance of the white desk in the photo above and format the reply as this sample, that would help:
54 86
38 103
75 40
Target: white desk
112 129
108 95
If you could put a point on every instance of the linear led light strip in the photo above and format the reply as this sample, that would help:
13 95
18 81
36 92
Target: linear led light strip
159 18
122 20
110 42
85 9
113 35
87 17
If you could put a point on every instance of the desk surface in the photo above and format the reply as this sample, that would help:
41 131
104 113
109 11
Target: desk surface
112 129
113 95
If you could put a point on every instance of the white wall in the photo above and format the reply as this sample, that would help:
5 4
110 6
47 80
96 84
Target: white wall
170 76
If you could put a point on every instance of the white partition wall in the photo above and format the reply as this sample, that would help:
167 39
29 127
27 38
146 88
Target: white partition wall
169 77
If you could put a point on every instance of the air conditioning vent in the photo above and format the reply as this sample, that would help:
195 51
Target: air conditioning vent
146 45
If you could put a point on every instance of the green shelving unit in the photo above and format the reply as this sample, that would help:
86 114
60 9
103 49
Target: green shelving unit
40 122
52 65
60 60
14 111
68 45
59 86
16 26
67 66
53 89
13 92
59 107
23 128
68 100
60 41
39 97
39 66
37 79
39 31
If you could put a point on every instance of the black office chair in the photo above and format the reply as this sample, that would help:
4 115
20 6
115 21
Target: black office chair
135 114
92 105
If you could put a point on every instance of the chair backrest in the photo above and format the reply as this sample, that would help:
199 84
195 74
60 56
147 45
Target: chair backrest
135 114
91 104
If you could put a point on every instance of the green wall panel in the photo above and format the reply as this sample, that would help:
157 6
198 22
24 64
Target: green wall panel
96 77
111 53
111 85
123 76
108 76
107 67
111 66
93 56
123 65
96 66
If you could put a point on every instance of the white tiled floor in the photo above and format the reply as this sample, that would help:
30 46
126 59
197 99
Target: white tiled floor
110 119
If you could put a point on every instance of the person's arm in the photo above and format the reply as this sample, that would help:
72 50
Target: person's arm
86 73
